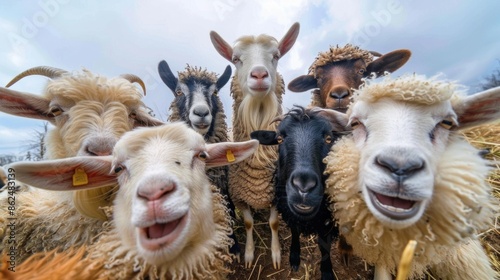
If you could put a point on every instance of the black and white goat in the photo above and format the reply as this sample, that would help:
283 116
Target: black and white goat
305 137
198 104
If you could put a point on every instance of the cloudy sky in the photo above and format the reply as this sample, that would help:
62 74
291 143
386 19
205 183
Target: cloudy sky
460 39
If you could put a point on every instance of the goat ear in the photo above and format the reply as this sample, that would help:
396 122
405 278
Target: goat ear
24 104
224 77
143 117
289 39
225 153
265 137
389 62
303 83
222 47
478 108
59 174
167 76
338 119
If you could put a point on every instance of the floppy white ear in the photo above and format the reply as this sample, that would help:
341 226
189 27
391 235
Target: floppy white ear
479 108
69 174
225 153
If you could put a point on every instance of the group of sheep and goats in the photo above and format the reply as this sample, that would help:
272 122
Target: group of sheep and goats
377 165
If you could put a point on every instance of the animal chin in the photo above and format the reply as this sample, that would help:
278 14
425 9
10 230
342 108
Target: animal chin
394 208
201 126
161 235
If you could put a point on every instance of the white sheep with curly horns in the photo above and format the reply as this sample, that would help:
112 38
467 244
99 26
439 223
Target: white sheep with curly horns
168 222
407 173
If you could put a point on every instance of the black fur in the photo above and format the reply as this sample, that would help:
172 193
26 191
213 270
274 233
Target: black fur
306 138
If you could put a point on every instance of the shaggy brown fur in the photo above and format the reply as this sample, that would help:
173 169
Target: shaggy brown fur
334 54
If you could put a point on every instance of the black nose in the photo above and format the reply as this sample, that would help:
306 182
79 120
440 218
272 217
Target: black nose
400 167
304 182
201 112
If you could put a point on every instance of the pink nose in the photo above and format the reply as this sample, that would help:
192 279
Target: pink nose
259 73
155 192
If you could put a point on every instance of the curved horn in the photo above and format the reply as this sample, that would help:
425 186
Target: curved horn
47 71
374 53
277 119
134 79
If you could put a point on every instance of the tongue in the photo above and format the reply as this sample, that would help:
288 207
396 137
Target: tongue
159 230
394 201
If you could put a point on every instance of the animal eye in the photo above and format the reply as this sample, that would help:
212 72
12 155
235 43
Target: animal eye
55 111
279 139
355 123
133 115
178 92
216 92
361 71
276 56
236 59
118 169
328 139
446 124
203 156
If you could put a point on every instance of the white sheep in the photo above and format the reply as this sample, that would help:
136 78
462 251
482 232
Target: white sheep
257 89
168 222
407 173
89 112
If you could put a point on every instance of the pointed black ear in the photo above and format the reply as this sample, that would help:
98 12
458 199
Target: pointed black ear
389 62
224 78
265 137
303 83
167 76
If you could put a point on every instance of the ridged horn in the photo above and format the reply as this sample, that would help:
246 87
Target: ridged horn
134 79
374 53
46 71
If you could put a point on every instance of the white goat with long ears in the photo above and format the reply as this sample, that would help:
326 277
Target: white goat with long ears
407 173
257 89
169 221
89 112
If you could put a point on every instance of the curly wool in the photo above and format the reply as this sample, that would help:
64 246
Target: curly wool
337 53
461 206
250 181
410 87
198 261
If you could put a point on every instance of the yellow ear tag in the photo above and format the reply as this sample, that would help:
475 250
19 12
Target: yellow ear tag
80 177
230 156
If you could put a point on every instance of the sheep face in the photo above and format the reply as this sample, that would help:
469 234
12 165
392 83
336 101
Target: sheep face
336 81
154 207
195 93
399 155
337 72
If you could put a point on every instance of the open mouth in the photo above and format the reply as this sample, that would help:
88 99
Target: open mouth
161 234
394 207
